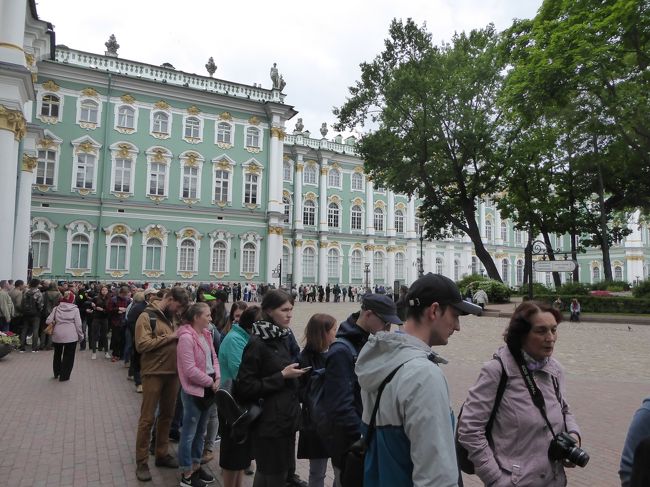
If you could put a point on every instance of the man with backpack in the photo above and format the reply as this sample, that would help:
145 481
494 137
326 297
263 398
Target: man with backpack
341 393
407 416
31 308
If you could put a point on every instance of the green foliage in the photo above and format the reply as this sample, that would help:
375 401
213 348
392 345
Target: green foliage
642 290
574 289
614 286
465 281
598 304
497 291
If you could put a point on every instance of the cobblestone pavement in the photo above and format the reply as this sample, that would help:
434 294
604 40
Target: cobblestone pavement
82 432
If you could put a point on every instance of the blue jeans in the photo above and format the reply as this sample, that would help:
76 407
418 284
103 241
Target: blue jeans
190 446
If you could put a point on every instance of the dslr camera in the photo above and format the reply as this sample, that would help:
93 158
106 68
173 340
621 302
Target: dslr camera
563 447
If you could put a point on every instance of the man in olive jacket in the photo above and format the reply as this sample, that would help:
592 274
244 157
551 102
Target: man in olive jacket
157 348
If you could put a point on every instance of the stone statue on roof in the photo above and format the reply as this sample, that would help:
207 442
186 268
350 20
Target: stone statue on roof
275 76
111 46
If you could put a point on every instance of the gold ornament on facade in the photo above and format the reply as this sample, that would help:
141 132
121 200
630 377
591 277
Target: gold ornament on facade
334 199
121 196
223 145
391 248
223 165
160 135
192 159
500 256
118 274
83 191
634 258
249 275
299 166
254 120
51 86
285 242
221 203
358 169
159 155
29 59
310 196
297 243
186 275
88 125
161 105
379 247
48 120
357 246
43 188
155 232
190 201
37 271
369 247
124 130
78 272
253 169
278 132
128 99
380 204
324 170
253 150
275 230
357 201
152 274
225 116
14 121
251 206
189 233
124 151
193 110
286 194
87 147
155 199
29 163
119 230
400 206
90 92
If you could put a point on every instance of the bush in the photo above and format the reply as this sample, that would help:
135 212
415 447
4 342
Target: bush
467 280
614 286
598 304
575 288
642 290
497 291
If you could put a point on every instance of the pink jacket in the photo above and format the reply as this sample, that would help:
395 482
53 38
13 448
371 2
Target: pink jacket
520 436
190 361
68 323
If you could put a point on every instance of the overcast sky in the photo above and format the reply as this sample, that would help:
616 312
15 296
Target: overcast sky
318 46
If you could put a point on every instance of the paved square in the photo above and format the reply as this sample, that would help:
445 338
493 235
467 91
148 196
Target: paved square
82 432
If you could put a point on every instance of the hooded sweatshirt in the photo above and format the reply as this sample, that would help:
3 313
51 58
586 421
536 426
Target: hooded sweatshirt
67 328
192 360
413 443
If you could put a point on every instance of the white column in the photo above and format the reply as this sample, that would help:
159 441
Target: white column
411 264
450 256
410 218
297 194
322 203
481 221
370 208
275 168
22 229
390 258
497 227
297 260
12 126
368 259
12 31
273 252
391 215
322 262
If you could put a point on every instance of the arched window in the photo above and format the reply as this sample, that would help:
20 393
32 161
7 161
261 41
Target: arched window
221 184
126 117
399 266
50 106
456 269
41 250
379 219
251 185
399 221
187 256
378 266
505 271
253 137
160 123
518 237
286 171
89 111
520 272
357 181
248 258
46 166
192 128
286 201
117 253
309 174
334 178
474 264
219 257
618 273
333 214
439 268
190 181
122 175
356 259
153 255
488 230
79 252
504 231
285 263
308 260
356 218
595 274
224 133
309 213
333 264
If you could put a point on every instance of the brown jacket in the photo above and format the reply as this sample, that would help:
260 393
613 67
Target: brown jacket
158 349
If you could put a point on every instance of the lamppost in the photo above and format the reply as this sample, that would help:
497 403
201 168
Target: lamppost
277 272
421 263
367 272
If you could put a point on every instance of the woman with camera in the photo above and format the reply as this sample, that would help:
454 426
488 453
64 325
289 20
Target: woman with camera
516 425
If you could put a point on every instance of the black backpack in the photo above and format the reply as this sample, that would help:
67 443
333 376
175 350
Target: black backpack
29 305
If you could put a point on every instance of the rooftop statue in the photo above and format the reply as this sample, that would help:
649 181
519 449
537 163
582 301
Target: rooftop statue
111 46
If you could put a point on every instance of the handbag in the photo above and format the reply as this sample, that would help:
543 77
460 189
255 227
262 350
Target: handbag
49 329
353 468
238 416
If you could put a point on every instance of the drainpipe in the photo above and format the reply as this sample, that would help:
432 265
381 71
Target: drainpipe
102 173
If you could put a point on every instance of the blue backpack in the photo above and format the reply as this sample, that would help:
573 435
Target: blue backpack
314 395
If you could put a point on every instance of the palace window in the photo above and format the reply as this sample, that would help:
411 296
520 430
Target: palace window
190 182
308 261
221 185
187 256
309 174
333 215
157 179
357 181
399 221
251 185
192 128
89 111
378 266
356 218
334 178
253 137
248 258
160 123
595 274
286 171
122 168
488 230
505 271
309 213
286 201
50 106
46 167
224 133
504 231
399 266
618 273
379 219
219 257
126 117
153 255
117 253
520 272
355 264
333 264
439 266
41 250
79 252
85 171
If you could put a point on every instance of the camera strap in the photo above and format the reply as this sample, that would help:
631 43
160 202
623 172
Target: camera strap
535 393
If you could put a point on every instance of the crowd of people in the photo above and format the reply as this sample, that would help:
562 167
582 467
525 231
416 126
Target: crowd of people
380 386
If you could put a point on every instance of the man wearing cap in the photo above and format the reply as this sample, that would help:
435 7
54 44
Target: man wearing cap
341 392
413 443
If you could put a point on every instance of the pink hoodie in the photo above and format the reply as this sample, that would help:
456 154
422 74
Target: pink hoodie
68 323
190 361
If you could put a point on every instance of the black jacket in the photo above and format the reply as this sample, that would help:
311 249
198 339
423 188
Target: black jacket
341 391
310 445
260 377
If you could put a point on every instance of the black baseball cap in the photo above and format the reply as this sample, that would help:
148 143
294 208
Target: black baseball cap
382 306
435 288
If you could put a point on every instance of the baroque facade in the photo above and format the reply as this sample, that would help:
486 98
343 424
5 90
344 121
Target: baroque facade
139 172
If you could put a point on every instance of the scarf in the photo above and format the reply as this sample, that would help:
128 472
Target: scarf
533 364
267 330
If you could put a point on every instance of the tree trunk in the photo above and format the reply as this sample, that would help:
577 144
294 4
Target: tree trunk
482 254
574 254
603 229
551 254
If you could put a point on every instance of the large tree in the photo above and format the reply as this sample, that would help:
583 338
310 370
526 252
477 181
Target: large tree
436 128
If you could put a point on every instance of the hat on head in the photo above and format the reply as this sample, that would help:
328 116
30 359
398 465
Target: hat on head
383 306
150 290
435 288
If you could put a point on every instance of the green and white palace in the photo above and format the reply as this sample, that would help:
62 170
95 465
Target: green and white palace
120 170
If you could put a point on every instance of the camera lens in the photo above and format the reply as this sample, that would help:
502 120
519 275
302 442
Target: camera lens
578 457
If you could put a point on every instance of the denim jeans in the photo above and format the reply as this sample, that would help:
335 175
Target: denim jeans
128 345
212 429
190 446
30 323
317 470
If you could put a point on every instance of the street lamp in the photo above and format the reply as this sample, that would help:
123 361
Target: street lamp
367 272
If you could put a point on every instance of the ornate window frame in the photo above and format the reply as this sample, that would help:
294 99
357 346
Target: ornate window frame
49 89
74 228
256 239
379 271
361 204
118 230
287 164
123 150
192 159
226 164
163 108
338 267
400 275
84 145
359 171
161 233
334 170
193 112
163 156
224 118
309 168
314 267
361 262
252 166
225 237
253 123
309 197
188 233
89 94
49 142
43 225
116 115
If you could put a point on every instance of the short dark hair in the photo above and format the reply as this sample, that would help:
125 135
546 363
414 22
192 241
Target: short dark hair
275 298
180 295
193 311
520 323
250 315
19 282
34 282
415 312
318 326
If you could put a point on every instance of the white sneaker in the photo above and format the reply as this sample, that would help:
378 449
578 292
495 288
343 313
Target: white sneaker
107 355
93 356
